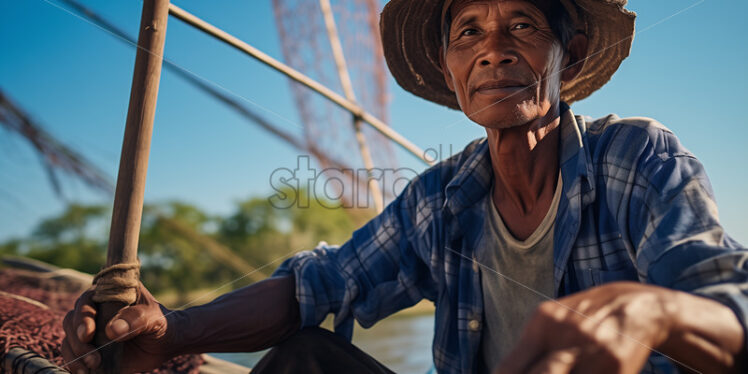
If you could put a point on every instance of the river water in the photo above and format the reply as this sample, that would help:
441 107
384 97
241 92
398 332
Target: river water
401 342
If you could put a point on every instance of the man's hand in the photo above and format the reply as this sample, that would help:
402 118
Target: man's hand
142 327
614 328
249 319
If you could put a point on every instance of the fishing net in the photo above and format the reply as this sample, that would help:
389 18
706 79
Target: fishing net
32 308
306 47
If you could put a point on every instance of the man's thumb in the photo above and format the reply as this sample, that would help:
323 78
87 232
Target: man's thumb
127 323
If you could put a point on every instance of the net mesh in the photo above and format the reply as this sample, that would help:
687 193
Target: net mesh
306 47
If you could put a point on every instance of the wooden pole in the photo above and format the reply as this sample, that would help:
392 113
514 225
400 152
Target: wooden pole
345 82
128 198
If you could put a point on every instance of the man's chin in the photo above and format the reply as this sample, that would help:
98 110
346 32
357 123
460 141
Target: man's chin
494 118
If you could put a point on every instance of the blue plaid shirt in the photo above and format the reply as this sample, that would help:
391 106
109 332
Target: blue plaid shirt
636 205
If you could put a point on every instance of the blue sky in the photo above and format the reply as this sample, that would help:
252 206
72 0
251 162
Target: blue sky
687 69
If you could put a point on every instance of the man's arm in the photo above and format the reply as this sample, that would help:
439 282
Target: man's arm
383 268
615 327
249 319
680 244
705 335
377 272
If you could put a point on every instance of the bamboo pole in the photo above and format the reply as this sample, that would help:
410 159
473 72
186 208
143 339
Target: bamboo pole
255 53
133 167
345 82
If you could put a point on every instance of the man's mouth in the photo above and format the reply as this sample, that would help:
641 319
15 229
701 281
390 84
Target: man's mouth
500 87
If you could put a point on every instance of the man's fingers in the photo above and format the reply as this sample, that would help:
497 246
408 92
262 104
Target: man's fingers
128 323
72 334
80 352
556 362
72 364
85 324
80 358
84 319
79 327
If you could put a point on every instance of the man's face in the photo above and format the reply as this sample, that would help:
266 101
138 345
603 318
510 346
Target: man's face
502 61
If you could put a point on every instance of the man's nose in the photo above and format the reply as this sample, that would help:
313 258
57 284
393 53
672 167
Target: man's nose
498 50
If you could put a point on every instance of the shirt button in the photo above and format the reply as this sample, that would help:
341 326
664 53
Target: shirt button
474 325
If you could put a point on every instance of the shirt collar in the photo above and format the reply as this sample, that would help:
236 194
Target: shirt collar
473 179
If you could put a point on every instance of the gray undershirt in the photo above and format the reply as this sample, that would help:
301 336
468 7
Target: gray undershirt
508 304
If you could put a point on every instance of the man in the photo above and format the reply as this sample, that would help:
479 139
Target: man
612 218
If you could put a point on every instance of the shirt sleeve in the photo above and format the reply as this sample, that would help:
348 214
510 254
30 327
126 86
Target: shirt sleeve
673 222
380 270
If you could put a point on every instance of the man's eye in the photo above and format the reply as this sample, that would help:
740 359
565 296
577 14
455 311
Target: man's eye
468 32
521 26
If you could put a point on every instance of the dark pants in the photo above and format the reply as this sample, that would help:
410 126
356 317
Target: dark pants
315 351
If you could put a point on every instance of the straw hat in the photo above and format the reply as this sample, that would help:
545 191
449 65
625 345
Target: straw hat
411 35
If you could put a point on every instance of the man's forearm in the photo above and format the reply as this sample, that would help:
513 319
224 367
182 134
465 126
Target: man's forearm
246 320
706 336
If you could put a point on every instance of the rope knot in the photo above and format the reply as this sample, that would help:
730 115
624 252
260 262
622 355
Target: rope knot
118 282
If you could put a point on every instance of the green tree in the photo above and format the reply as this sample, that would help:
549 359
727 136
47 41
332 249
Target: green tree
171 260
259 231
75 239
183 249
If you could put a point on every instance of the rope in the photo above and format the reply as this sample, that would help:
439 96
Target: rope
118 282
24 299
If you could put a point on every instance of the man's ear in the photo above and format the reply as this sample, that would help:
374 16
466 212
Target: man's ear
576 54
445 71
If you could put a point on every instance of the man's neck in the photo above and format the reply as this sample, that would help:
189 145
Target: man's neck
525 165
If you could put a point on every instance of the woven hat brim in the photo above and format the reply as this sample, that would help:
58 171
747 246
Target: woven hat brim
410 36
